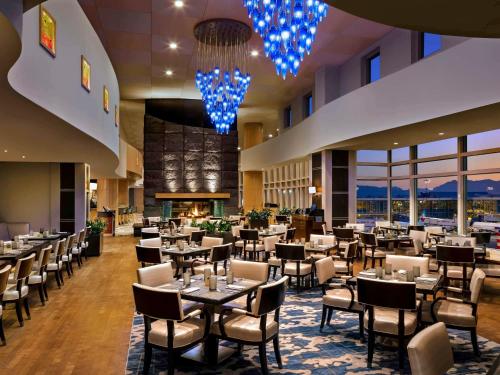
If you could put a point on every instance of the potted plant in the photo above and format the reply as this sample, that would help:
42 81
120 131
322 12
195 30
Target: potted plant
95 237
220 228
258 219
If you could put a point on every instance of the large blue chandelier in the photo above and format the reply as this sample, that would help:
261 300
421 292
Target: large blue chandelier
221 76
288 28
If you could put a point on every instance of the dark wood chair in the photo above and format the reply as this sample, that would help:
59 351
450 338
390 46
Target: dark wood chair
343 237
482 238
282 219
293 262
290 235
250 238
148 255
254 327
391 311
4 277
455 263
166 326
150 232
197 236
219 254
371 249
176 221
344 262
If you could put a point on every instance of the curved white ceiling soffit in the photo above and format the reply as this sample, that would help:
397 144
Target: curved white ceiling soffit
447 17
46 115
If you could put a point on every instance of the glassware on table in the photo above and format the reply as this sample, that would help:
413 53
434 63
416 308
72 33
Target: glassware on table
302 240
379 271
212 282
410 276
388 268
416 271
229 277
186 277
297 241
207 272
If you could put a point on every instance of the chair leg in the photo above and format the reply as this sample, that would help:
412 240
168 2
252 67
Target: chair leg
263 358
45 291
78 261
380 261
364 263
277 354
147 358
67 269
330 313
171 364
274 272
61 276
19 313
323 318
473 336
373 262
57 279
371 346
2 334
361 327
71 267
41 294
401 351
27 307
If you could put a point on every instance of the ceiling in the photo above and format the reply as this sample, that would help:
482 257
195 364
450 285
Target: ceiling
136 35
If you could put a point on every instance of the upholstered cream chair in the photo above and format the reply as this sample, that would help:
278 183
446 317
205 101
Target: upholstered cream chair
391 311
211 241
151 242
382 223
67 258
55 265
343 236
76 250
270 248
219 254
150 232
38 276
455 263
247 270
458 313
17 288
358 227
429 351
189 230
404 262
411 247
256 326
4 277
167 327
293 263
325 240
251 243
336 296
279 228
372 251
344 262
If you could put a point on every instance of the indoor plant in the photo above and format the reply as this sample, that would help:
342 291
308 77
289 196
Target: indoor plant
258 219
95 237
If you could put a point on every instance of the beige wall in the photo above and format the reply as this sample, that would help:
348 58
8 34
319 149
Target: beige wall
29 192
139 199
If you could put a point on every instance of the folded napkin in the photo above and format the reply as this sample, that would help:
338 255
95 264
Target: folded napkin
190 290
235 287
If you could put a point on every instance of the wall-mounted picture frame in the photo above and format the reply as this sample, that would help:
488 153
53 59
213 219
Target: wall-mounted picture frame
117 116
47 31
105 99
86 73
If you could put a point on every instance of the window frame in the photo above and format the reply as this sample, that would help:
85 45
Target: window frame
367 70
287 117
308 107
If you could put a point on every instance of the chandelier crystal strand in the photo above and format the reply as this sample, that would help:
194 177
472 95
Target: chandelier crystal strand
221 76
288 29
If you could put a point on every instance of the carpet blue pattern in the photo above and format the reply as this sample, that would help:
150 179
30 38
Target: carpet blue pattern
305 350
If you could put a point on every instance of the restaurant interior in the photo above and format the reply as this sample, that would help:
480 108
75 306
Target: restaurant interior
249 187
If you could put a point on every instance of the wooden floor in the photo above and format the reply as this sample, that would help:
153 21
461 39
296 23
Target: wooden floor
85 327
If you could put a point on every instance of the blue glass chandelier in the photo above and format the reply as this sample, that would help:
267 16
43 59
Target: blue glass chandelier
221 76
288 28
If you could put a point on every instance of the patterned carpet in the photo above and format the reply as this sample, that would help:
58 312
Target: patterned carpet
304 350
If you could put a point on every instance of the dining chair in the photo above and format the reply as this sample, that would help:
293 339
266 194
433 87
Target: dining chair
238 244
85 244
150 232
344 261
17 288
4 278
482 238
166 326
290 235
293 263
455 263
321 239
270 248
429 351
408 247
148 255
211 241
151 242
282 219
197 236
250 238
244 269
343 236
68 256
338 295
255 327
459 313
418 228
55 265
38 276
76 250
372 251
405 262
391 311
219 254
325 230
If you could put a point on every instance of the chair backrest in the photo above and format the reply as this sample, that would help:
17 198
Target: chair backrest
270 297
150 242
148 254
418 228
481 237
281 219
197 236
360 227
175 221
81 236
391 294
156 275
270 243
418 246
61 248
433 229
429 351
211 241
189 230
404 262
146 235
43 257
150 230
351 250
418 235
326 240
235 230
290 251
455 254
24 267
461 241
343 233
290 234
325 269
369 239
249 270
325 230
220 253
476 284
158 303
249 234
70 242
4 277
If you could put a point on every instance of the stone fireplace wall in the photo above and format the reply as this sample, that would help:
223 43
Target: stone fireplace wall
188 159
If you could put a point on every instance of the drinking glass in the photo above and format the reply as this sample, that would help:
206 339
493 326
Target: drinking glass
186 277
212 282
302 240
379 272
297 241
229 277
410 276
206 275
416 271
388 268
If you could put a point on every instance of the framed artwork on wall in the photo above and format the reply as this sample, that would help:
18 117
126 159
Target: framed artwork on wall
117 116
86 74
105 98
47 31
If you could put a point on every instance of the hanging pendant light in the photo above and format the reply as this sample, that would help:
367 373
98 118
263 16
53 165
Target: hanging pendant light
288 29
222 76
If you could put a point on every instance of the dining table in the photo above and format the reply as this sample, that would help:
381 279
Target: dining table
270 233
11 256
173 237
324 249
392 242
197 291
179 256
394 228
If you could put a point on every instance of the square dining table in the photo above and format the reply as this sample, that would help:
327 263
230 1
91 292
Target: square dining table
179 255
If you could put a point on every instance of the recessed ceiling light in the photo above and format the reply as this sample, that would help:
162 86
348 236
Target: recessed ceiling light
168 72
270 135
440 133
24 156
254 53
173 45
179 3
395 143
